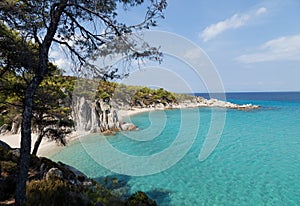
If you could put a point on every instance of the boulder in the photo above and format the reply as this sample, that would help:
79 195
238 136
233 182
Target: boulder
128 127
54 173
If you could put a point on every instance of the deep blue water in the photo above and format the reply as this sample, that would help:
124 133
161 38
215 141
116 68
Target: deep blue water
256 162
258 96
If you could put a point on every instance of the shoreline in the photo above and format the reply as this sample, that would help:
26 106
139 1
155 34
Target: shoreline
48 148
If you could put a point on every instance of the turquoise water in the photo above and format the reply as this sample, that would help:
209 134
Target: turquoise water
256 162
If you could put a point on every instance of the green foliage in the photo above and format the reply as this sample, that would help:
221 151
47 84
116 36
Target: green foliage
54 192
105 89
147 96
9 167
16 53
5 155
64 22
7 187
140 199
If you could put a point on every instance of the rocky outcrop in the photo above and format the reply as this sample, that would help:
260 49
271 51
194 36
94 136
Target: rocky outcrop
202 102
16 125
96 116
102 115
194 102
59 184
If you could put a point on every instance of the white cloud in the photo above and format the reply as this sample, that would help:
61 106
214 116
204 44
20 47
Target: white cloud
235 21
58 57
280 49
261 10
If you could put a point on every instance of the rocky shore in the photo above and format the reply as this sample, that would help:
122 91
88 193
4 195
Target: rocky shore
51 183
107 117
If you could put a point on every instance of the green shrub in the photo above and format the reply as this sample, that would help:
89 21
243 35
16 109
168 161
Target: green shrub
5 154
8 180
54 192
140 199
7 188
9 167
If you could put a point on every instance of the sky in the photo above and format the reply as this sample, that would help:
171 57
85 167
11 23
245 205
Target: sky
254 45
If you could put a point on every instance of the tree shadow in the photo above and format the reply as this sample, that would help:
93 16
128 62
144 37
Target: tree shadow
160 195
119 186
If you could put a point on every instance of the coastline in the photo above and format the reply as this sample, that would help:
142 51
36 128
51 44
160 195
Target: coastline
48 148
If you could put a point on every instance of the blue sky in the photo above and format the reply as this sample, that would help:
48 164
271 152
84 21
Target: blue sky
254 45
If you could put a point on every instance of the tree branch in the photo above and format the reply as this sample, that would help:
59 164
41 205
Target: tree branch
72 50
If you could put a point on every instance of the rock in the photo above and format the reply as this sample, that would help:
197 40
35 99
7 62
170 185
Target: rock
87 183
108 133
15 152
75 171
4 129
128 127
54 173
16 125
94 116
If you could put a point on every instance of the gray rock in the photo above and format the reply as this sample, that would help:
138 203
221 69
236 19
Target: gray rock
128 127
4 129
54 173
94 116
16 125
15 152
73 169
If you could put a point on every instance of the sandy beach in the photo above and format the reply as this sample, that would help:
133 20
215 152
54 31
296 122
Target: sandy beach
47 147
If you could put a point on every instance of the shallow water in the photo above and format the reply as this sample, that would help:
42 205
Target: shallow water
256 162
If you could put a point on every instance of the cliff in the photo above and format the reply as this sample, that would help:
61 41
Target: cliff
97 116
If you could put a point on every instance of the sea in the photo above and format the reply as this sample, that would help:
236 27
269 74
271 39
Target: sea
252 159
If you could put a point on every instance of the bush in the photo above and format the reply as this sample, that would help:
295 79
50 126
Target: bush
54 192
9 167
8 182
140 199
5 154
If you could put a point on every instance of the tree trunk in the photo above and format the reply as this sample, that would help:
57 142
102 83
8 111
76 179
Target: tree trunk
24 160
37 144
40 73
